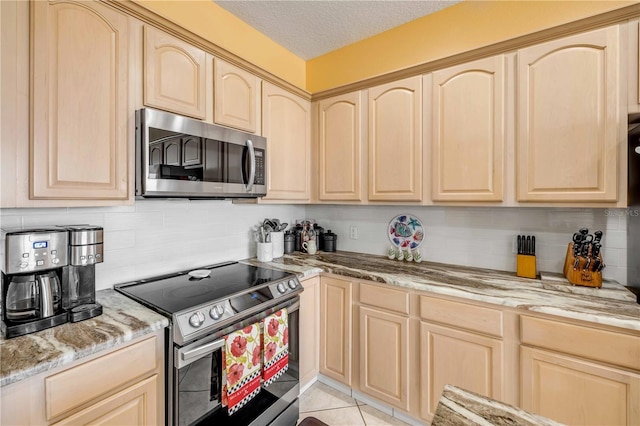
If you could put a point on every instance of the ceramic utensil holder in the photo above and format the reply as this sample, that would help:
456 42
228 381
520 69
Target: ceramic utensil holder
277 239
580 275
264 252
526 266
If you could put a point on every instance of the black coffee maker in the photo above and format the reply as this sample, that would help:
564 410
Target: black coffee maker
32 272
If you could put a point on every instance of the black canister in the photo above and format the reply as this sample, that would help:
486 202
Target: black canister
289 242
329 241
319 235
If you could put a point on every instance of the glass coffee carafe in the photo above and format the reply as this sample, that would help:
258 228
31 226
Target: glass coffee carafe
33 296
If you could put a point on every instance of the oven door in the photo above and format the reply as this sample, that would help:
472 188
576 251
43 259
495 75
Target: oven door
197 378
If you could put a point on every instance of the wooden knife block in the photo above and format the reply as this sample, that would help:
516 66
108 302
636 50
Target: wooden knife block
579 276
526 266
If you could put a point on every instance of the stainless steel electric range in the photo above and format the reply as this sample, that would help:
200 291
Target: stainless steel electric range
202 310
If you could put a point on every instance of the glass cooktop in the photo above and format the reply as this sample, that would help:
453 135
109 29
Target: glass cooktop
172 294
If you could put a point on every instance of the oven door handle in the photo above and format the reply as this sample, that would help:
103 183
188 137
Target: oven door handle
193 354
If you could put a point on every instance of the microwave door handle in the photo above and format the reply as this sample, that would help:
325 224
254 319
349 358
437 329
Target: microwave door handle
252 170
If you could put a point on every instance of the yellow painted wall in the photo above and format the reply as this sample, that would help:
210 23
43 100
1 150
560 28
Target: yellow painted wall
459 28
210 21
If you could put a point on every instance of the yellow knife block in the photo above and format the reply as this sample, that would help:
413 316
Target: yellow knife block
526 266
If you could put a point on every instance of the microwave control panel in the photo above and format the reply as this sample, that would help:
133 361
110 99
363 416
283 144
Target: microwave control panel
259 178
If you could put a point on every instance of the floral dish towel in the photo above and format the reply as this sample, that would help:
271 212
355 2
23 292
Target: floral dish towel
275 345
242 366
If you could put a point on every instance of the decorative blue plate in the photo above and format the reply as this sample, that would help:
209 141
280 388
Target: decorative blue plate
405 231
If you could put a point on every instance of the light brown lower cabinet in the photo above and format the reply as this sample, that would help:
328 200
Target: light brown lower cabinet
468 360
336 329
134 405
575 391
407 345
309 330
124 386
384 356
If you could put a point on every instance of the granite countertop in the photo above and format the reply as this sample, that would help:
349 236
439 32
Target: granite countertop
612 304
461 407
122 320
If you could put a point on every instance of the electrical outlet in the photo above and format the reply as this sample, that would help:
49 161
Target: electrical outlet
514 246
353 232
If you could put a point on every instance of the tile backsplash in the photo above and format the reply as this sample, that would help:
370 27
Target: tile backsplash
154 237
161 236
482 237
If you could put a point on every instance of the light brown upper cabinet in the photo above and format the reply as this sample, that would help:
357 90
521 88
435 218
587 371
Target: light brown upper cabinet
468 131
286 123
174 74
237 97
79 102
340 147
567 119
395 141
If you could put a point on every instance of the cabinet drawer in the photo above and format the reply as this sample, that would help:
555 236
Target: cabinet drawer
600 345
386 298
470 317
79 385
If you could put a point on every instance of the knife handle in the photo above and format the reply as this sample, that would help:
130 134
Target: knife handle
519 244
533 245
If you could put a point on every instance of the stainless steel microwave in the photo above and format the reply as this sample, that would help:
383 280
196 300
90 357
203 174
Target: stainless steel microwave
179 157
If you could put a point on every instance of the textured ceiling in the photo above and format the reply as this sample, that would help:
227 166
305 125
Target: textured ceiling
310 28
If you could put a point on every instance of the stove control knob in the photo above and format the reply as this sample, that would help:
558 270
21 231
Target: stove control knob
216 312
196 319
281 287
292 284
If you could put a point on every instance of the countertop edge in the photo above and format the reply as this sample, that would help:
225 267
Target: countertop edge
525 295
123 320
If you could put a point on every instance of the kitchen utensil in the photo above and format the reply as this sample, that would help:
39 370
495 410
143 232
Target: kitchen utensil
310 246
264 252
277 239
519 244
526 259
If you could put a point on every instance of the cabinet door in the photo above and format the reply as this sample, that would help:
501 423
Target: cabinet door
172 153
567 119
79 102
309 330
335 329
395 141
174 74
384 356
448 356
574 391
237 97
468 131
191 151
156 154
133 406
339 148
287 126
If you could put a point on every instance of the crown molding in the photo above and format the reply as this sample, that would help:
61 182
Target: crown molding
145 15
593 22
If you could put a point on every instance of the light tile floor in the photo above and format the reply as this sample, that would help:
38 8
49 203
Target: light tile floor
338 409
